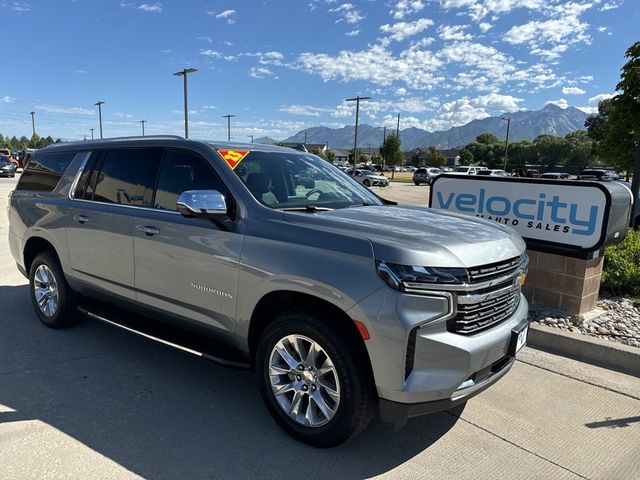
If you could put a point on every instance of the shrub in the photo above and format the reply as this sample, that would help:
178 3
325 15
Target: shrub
621 271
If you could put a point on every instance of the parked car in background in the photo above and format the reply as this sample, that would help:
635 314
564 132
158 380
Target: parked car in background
7 168
5 152
556 176
493 173
465 170
369 178
600 174
526 173
425 175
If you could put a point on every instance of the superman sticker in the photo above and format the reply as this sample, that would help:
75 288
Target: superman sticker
233 157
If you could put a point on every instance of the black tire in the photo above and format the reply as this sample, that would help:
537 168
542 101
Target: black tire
366 183
357 404
417 183
66 313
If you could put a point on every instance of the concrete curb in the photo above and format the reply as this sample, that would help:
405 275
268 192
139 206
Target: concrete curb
604 353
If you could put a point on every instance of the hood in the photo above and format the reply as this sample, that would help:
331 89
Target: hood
411 235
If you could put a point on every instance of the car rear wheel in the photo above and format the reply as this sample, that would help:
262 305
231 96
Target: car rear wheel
314 383
51 296
366 183
417 183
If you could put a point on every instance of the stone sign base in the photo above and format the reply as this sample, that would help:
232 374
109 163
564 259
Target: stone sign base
563 283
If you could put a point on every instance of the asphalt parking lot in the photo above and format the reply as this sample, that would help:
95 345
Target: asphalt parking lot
96 402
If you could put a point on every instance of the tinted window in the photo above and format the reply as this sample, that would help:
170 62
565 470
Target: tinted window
182 171
125 177
44 171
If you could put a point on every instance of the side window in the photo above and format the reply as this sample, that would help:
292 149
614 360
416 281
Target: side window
125 177
44 171
181 171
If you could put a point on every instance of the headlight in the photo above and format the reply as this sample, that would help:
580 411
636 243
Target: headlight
404 277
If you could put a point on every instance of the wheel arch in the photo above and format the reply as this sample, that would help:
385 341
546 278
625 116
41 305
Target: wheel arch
276 302
33 247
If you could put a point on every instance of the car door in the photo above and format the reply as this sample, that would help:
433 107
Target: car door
112 188
187 267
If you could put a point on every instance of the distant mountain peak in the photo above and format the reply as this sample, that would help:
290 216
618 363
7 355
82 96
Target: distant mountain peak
525 125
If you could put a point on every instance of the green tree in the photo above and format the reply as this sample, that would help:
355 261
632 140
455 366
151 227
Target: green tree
466 157
391 153
330 155
487 139
436 158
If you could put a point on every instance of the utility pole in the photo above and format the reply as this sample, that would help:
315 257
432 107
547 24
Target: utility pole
184 73
384 154
251 138
99 104
228 117
398 128
506 142
33 121
142 122
92 129
355 137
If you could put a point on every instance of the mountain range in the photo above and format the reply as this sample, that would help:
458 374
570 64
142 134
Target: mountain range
525 125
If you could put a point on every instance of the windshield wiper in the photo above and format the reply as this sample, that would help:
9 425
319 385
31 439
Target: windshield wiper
307 208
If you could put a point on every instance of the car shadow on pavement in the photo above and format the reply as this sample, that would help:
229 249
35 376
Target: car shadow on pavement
614 422
162 413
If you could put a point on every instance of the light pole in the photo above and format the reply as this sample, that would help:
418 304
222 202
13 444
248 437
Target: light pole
142 122
99 104
384 150
92 129
228 117
398 128
251 136
184 73
33 121
355 137
506 142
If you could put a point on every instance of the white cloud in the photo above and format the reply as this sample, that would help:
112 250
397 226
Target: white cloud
228 16
6 99
80 72
479 9
454 32
610 6
602 29
210 53
596 99
19 7
484 26
153 8
305 110
562 103
401 30
261 72
402 8
65 110
353 33
348 13
205 39
401 91
572 91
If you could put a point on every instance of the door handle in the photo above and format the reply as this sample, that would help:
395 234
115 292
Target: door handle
81 218
148 231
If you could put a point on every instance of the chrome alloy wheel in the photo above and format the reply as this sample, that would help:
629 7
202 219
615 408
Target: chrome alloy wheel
45 289
304 380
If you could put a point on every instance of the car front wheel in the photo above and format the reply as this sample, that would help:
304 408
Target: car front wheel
312 379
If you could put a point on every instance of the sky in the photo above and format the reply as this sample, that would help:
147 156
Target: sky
282 66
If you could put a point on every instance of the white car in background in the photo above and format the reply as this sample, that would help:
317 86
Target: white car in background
369 178
465 171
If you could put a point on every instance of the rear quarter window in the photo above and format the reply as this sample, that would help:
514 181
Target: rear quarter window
44 171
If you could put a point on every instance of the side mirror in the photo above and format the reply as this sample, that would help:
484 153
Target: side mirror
201 203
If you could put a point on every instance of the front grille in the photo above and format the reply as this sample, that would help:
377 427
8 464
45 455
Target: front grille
494 270
473 317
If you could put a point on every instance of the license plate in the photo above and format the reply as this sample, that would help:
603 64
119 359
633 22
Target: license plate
518 340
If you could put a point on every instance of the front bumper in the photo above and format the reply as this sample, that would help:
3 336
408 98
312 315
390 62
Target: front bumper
444 368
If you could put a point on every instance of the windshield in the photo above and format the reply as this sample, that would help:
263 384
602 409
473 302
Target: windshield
298 180
461 169
4 161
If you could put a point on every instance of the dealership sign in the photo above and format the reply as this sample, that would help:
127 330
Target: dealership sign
549 215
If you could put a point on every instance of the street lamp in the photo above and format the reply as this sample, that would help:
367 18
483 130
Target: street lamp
355 137
184 73
506 142
33 121
99 104
251 138
92 129
228 117
142 122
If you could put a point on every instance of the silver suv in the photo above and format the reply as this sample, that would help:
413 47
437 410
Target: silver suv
343 303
